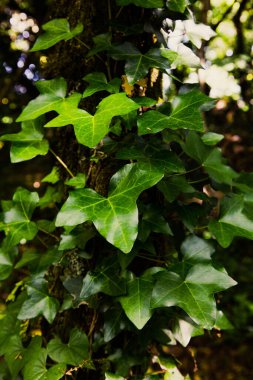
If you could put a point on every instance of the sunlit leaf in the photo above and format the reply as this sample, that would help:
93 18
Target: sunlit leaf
115 217
16 217
185 114
136 303
90 129
192 292
52 98
28 143
54 31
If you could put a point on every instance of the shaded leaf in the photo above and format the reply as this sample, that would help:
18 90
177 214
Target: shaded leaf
36 369
142 3
54 31
210 158
53 177
74 352
233 222
138 64
39 302
115 217
104 279
98 82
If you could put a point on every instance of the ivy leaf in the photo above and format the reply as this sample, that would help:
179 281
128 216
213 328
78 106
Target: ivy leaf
163 161
233 222
53 177
74 352
55 31
185 114
76 238
78 181
98 82
102 42
115 217
177 5
136 303
113 323
138 64
36 369
103 279
6 261
212 138
90 129
174 186
39 302
192 292
142 3
52 98
17 215
28 143
210 158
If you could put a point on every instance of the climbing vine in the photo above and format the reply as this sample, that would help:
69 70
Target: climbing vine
113 261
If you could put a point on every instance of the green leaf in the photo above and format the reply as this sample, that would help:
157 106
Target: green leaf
16 219
89 129
153 221
185 114
39 302
36 369
138 64
142 3
102 42
113 323
52 98
177 5
6 261
28 143
76 238
104 279
98 82
53 177
79 181
54 31
174 186
196 250
115 217
74 352
210 158
212 138
163 161
111 376
192 292
233 222
183 330
136 303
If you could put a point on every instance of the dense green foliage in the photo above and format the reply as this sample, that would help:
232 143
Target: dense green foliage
127 268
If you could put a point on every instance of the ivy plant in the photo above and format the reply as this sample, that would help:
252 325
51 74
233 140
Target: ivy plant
111 261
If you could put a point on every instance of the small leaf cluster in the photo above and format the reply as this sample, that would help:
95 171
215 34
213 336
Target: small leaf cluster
109 276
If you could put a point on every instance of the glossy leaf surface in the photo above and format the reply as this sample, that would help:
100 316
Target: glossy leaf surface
115 217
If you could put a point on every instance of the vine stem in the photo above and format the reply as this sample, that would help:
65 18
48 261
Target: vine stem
49 234
62 163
